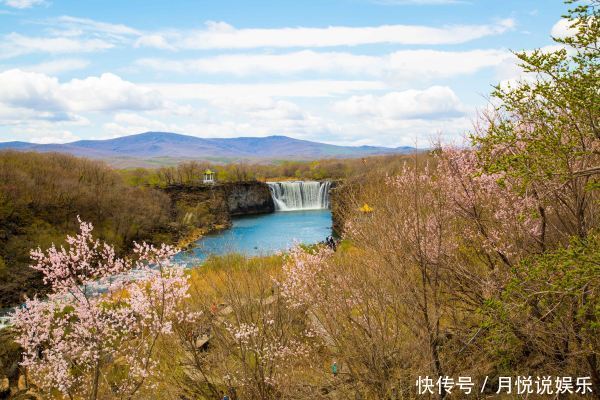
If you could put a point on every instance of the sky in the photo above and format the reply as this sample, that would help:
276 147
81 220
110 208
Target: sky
350 72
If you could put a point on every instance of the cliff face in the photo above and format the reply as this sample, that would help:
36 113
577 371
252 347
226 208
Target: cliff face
200 209
198 206
246 198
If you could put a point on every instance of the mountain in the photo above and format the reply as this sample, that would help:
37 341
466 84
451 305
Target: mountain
164 145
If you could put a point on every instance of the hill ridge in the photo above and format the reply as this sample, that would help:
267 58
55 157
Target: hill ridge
154 145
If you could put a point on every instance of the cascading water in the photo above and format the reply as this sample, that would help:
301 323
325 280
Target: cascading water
300 195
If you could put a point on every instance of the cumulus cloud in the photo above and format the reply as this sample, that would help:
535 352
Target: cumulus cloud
220 35
436 102
109 92
419 64
106 92
30 90
563 28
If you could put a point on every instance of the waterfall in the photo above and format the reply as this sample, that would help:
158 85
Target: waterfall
300 195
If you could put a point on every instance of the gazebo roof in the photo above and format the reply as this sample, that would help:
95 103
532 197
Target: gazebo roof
208 172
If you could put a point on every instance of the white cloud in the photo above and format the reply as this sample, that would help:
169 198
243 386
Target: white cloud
381 131
19 115
302 88
259 107
57 137
309 127
249 64
407 132
15 44
39 126
127 124
562 28
107 92
436 102
220 35
155 41
21 4
68 34
393 119
412 64
30 90
90 25
56 67
510 72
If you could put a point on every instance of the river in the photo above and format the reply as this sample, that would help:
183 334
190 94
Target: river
262 235
302 216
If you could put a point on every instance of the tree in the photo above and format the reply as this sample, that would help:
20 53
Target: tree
94 337
544 131
258 347
554 300
541 142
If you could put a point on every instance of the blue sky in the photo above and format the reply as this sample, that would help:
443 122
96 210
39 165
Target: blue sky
379 72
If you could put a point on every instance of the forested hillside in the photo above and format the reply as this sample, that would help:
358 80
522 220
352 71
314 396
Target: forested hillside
41 196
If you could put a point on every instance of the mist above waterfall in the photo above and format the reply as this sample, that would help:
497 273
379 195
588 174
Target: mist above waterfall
300 195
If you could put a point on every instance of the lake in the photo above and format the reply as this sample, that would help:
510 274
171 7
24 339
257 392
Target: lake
262 235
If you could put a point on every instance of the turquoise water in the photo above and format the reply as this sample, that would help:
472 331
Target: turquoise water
262 235
255 235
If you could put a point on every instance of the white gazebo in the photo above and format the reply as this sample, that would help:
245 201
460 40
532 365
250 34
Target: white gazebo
209 176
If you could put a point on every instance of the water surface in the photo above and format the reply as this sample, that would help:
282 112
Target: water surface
262 235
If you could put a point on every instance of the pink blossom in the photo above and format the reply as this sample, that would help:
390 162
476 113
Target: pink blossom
73 339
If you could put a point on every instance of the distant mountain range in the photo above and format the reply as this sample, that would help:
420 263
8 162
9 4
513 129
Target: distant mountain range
165 148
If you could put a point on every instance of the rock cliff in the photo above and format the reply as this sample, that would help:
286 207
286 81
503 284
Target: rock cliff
246 198
200 209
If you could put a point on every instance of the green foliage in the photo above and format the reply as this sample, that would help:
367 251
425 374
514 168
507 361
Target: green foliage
542 138
550 305
545 125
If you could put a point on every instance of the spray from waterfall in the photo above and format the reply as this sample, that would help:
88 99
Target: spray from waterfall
300 195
